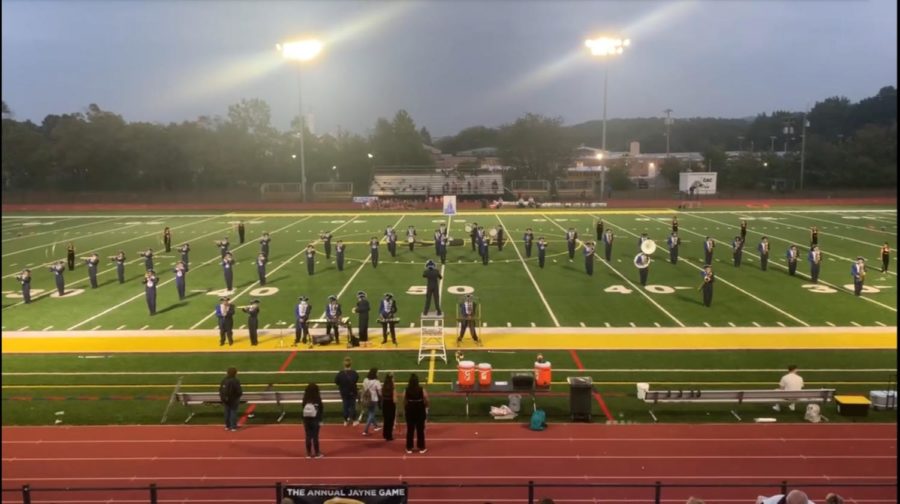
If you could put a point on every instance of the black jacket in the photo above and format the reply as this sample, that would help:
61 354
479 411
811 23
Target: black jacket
230 391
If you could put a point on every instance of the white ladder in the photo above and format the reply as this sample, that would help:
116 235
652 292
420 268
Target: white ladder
432 337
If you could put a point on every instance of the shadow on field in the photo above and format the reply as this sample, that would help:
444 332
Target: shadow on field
272 280
171 307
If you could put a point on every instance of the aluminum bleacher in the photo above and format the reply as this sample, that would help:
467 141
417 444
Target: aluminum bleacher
400 185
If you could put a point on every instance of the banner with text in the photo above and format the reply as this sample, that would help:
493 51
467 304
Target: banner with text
347 494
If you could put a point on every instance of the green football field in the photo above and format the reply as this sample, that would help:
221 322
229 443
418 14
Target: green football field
512 289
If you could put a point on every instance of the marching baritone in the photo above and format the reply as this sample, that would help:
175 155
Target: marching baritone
252 311
571 239
264 244
473 234
589 248
150 282
529 240
763 249
57 270
599 229
148 258
261 261
500 237
387 315
301 316
185 250
432 291
437 241
642 262
180 279
240 229
167 239
709 279
339 249
310 254
362 310
608 244
484 249
815 263
92 261
223 246
814 236
674 224
70 256
333 315
542 251
411 237
225 315
24 278
792 254
708 245
119 260
737 250
373 251
443 242
743 231
885 257
673 241
325 236
391 236
641 240
228 271
467 312
858 271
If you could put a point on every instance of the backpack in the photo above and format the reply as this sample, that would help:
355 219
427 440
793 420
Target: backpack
310 410
538 420
813 413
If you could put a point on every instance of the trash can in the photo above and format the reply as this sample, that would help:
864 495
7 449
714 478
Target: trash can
580 389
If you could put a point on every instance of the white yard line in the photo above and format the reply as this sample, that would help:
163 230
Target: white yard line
533 281
70 239
780 323
61 229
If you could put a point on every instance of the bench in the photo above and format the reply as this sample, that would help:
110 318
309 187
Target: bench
737 396
278 397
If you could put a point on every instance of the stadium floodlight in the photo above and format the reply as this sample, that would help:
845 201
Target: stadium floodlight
605 46
300 51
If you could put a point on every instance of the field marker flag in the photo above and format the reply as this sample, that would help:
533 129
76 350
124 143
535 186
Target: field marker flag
449 204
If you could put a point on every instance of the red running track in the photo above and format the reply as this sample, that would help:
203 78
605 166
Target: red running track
483 453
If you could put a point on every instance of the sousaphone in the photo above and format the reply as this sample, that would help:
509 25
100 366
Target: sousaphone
648 247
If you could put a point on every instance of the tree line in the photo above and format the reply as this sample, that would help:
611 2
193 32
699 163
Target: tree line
847 145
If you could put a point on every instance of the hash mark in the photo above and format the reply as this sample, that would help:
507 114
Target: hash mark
757 325
831 324
23 328
47 328
509 324
632 324
242 327
707 324
170 326
582 324
732 324
120 327
657 324
854 323
267 326
533 324
780 323
607 324
146 326
96 327
879 323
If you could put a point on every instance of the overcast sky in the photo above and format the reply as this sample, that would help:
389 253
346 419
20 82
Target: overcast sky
451 64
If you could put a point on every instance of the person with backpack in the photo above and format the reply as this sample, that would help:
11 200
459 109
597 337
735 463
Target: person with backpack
415 405
230 393
312 419
371 395
388 406
346 381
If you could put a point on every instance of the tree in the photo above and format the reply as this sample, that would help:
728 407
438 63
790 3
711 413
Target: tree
426 136
476 137
670 169
398 143
536 147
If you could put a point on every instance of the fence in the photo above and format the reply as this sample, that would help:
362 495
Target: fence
529 492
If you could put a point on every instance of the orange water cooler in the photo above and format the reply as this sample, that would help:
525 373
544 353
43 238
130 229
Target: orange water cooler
465 373
484 375
542 374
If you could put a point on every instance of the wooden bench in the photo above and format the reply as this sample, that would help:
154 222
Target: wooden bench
278 397
737 396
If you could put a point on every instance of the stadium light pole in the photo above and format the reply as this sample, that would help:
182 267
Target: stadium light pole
301 51
604 47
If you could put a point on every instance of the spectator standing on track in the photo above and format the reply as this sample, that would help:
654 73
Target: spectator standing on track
371 395
793 497
230 393
388 406
312 419
415 405
790 381
346 380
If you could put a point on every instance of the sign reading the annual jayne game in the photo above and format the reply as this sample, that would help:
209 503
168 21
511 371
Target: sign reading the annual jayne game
347 494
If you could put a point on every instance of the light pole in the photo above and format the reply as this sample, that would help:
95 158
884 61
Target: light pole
603 47
772 144
300 51
740 143
804 125
668 130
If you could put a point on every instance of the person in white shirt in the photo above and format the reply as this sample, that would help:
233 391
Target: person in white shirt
793 497
371 395
790 381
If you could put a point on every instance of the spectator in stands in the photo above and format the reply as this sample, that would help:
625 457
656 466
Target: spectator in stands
793 497
371 397
312 419
388 406
346 381
415 405
790 381
230 393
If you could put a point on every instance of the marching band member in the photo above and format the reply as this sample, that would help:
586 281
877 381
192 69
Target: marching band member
339 249
167 239
148 258
443 229
571 239
709 279
333 318
737 250
252 311
24 278
92 261
858 271
325 236
443 242
599 229
480 236
529 239
437 241
642 261
474 235
223 246
185 251
411 237
228 271
763 249
813 235
641 240
362 309
70 256
673 241
743 232
150 282
484 248
261 261
432 291
500 237
542 251
57 269
792 254
674 224
708 245
310 253
225 314
391 235
119 260
387 315
589 248
373 250
467 310
301 316
180 277
885 257
264 244
815 262
608 244
240 229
